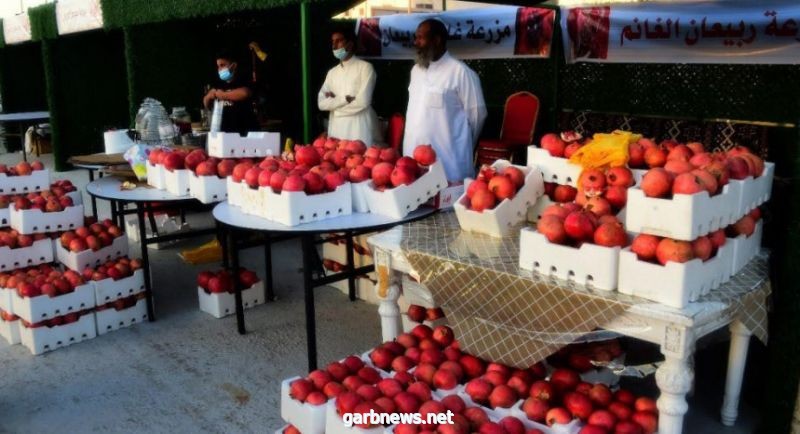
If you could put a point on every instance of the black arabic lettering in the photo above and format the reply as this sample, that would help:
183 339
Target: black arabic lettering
628 33
692 41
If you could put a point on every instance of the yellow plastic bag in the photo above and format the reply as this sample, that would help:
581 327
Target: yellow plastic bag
605 150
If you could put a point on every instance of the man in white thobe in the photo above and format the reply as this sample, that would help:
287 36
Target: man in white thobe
347 93
445 103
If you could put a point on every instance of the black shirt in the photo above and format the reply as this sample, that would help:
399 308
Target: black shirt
237 116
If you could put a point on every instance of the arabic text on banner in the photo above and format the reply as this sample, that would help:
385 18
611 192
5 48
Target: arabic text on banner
747 32
482 33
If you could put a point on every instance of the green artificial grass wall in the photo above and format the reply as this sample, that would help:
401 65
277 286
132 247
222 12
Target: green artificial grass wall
43 22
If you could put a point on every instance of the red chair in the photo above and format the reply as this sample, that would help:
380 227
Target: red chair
394 132
519 121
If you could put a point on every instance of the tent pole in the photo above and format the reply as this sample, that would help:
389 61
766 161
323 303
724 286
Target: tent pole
304 61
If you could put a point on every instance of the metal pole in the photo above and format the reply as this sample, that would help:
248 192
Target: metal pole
307 241
305 36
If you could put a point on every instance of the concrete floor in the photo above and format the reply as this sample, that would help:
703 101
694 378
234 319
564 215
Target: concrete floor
188 372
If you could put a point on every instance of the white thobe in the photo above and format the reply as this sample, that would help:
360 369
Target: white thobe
446 110
355 120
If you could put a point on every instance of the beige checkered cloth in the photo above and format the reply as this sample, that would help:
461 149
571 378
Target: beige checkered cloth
517 317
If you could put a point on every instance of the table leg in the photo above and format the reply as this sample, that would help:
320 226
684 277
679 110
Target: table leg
674 378
145 261
93 199
351 279
223 242
308 286
114 217
233 251
388 291
737 358
22 141
268 268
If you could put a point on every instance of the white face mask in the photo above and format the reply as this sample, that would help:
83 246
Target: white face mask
340 53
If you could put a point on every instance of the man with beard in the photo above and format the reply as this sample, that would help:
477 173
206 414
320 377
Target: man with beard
445 103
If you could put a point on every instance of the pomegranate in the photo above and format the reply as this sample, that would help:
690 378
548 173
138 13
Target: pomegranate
674 251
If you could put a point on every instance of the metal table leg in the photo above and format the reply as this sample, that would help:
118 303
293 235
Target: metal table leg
268 268
145 260
233 250
93 199
351 279
308 285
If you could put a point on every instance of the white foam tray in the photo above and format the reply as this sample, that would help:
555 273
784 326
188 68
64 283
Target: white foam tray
754 191
42 307
32 221
674 284
38 180
746 248
108 290
223 304
41 339
177 181
685 216
41 252
309 419
589 265
89 258
233 145
111 319
399 201
335 425
155 176
505 216
554 169
207 189
9 330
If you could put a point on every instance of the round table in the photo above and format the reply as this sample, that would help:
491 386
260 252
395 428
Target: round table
231 218
109 188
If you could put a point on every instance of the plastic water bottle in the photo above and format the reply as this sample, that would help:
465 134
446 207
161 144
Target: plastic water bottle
216 117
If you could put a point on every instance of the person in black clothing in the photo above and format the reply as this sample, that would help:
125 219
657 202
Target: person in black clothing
236 94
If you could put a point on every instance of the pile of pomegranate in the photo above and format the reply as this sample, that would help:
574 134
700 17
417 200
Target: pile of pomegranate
52 322
492 187
12 239
45 201
569 224
419 314
94 237
23 168
41 280
746 225
116 269
222 281
122 303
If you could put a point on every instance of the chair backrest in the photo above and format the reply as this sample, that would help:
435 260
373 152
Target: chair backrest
394 132
519 118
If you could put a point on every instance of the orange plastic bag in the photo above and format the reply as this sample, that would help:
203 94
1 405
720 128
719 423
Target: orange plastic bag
605 150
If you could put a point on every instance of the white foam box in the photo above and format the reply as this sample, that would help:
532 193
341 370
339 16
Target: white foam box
400 201
588 265
745 248
38 180
307 418
111 319
5 298
177 181
76 196
40 252
365 289
754 191
41 339
88 258
335 425
554 169
574 427
9 330
292 208
505 216
674 284
233 145
684 217
5 217
535 212
32 221
108 290
42 307
223 304
447 198
360 203
338 252
155 176
234 191
207 189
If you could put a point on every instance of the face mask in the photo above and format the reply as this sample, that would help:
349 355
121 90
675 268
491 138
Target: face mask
225 74
340 53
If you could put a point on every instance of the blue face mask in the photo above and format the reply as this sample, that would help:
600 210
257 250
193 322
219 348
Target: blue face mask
340 53
225 74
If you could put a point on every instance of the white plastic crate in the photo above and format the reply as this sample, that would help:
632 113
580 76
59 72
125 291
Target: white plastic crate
111 319
207 189
32 221
335 425
42 307
309 419
88 258
38 180
554 169
505 216
674 284
589 265
746 248
155 176
233 145
177 181
108 290
754 191
9 330
685 216
399 201
41 252
223 304
360 203
41 339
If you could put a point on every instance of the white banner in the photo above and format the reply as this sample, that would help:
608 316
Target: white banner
481 33
723 32
17 29
78 15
